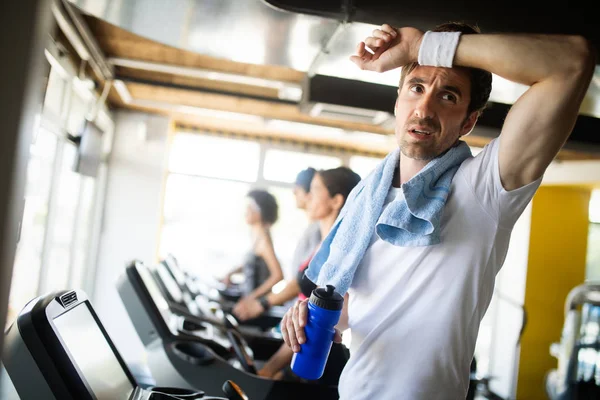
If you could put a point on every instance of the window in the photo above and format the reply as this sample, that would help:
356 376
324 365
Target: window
283 166
28 258
593 248
594 208
216 157
204 224
82 234
78 111
207 232
53 101
60 235
363 165
56 232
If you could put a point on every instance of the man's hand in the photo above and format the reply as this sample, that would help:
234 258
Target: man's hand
293 323
392 48
247 308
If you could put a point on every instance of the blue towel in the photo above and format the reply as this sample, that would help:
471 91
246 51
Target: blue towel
411 220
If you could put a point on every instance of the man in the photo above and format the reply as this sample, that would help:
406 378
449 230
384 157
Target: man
415 309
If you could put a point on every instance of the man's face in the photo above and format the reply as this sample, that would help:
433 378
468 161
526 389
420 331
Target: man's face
431 111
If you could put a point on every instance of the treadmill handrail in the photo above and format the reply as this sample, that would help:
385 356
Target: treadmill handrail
588 292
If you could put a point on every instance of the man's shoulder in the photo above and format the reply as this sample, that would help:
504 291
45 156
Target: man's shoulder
482 158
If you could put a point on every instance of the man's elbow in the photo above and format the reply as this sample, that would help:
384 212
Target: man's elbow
583 58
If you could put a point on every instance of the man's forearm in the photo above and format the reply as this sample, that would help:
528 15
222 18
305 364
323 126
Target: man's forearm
525 59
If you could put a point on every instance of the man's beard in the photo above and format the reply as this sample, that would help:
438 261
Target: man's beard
408 150
411 150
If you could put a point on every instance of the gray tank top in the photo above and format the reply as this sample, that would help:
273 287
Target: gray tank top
255 272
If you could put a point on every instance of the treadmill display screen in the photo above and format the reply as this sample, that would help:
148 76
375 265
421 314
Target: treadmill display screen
157 297
93 355
170 283
174 267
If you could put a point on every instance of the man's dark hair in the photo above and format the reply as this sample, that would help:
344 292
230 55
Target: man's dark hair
481 80
267 204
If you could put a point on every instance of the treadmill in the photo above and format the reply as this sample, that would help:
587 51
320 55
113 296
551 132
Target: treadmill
206 292
262 344
57 349
577 375
191 352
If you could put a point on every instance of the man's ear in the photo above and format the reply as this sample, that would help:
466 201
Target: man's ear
469 123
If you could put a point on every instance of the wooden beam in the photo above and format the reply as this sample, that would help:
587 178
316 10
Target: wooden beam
230 87
253 130
118 42
267 109
263 108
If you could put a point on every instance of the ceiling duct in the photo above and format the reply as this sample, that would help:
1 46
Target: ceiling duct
491 17
348 100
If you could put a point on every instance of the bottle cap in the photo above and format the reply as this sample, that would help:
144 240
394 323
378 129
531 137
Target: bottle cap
327 298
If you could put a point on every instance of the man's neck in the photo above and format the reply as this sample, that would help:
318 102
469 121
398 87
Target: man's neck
408 168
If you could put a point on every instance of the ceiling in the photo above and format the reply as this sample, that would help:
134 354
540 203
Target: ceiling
294 43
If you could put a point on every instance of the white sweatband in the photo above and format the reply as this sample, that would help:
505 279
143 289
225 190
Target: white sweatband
438 48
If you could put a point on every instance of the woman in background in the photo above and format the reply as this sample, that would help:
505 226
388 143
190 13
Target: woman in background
261 268
328 193
311 237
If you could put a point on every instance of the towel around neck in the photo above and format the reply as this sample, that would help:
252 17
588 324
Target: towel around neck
410 220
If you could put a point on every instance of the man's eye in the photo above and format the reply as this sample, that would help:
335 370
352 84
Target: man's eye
416 88
449 97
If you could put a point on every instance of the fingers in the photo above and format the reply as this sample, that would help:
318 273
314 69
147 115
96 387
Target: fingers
291 324
382 36
362 56
361 50
300 322
284 332
374 42
303 313
287 329
389 30
358 61
337 337
368 52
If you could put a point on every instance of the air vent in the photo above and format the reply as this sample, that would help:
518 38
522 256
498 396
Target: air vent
347 100
345 113
68 299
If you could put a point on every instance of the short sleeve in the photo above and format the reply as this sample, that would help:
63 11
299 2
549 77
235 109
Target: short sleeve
482 175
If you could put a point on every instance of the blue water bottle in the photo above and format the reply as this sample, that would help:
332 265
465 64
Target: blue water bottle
324 310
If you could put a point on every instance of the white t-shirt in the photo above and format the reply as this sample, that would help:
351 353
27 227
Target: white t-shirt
414 312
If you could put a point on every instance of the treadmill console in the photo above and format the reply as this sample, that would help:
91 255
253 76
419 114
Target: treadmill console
58 349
